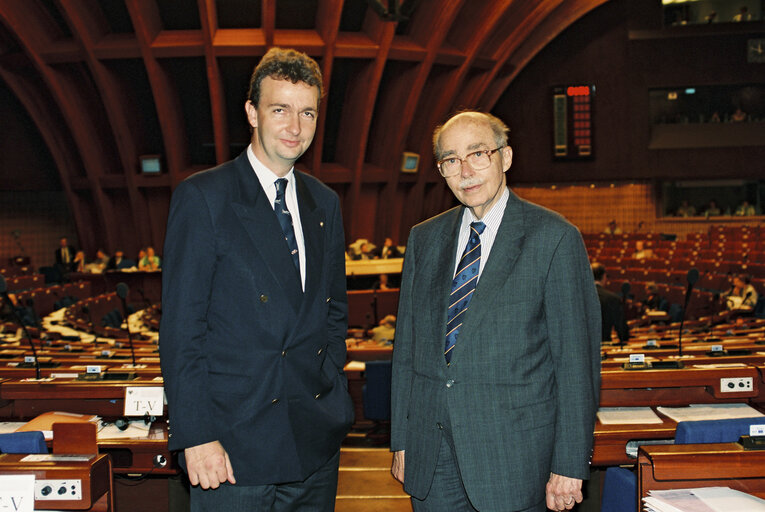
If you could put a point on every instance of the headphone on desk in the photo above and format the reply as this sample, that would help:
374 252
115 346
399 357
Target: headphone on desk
124 422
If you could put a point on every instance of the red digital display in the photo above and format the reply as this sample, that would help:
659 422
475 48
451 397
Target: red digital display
573 121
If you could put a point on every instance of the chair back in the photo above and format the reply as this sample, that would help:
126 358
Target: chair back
715 431
23 442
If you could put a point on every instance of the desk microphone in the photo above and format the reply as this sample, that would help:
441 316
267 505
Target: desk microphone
692 277
86 310
4 294
122 293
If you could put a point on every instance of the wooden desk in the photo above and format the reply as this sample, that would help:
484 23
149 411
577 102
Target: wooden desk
95 476
368 350
674 387
700 465
610 441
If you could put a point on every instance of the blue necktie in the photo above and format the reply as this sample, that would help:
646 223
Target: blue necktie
463 286
285 219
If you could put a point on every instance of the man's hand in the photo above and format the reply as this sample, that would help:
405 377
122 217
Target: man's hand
397 469
563 492
208 465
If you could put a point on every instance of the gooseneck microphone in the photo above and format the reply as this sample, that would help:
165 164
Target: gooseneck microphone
692 277
86 310
7 299
122 293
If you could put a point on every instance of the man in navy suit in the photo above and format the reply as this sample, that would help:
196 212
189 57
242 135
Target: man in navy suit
496 411
254 312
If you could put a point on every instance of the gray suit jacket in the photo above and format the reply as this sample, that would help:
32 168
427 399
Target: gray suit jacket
522 389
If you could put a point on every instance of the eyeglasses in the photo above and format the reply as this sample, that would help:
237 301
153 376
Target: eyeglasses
478 160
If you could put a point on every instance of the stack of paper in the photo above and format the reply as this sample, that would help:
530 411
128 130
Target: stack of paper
703 499
696 412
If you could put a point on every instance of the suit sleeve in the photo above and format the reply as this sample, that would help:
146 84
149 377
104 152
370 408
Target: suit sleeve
402 353
187 277
572 312
337 319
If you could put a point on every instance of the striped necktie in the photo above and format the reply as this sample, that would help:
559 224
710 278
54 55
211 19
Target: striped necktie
285 219
463 286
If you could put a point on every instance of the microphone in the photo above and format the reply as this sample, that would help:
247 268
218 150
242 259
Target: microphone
86 310
122 293
692 277
4 294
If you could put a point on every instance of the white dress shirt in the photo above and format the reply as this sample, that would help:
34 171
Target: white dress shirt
492 219
267 180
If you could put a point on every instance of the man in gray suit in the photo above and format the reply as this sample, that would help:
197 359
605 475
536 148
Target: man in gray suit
495 412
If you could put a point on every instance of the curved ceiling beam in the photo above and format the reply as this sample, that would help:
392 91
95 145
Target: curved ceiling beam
147 25
209 19
515 57
34 31
31 95
88 28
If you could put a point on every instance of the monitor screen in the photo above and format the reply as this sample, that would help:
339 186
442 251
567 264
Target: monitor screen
151 165
410 162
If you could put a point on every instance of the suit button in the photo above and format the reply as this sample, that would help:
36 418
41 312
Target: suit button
264 298
440 426
274 401
320 351
450 383
316 397
284 353
329 299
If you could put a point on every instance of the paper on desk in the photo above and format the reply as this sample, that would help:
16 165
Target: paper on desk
698 412
703 499
721 365
627 415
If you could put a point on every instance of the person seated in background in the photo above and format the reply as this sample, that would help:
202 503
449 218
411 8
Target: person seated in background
653 301
712 209
742 294
78 264
612 228
385 330
685 209
641 253
99 264
150 261
388 250
611 308
743 15
746 210
738 115
119 262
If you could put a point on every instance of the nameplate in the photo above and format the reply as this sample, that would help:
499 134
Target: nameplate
637 358
651 343
717 348
29 359
756 430
92 369
17 493
144 400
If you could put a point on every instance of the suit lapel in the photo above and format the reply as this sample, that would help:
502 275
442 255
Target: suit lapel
444 251
259 220
312 221
499 266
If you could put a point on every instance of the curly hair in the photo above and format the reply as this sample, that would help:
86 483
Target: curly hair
284 64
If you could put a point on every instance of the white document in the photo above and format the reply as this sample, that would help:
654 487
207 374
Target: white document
627 415
703 499
17 493
698 412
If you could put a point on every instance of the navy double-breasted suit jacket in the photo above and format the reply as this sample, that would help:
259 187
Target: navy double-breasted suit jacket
247 357
522 388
